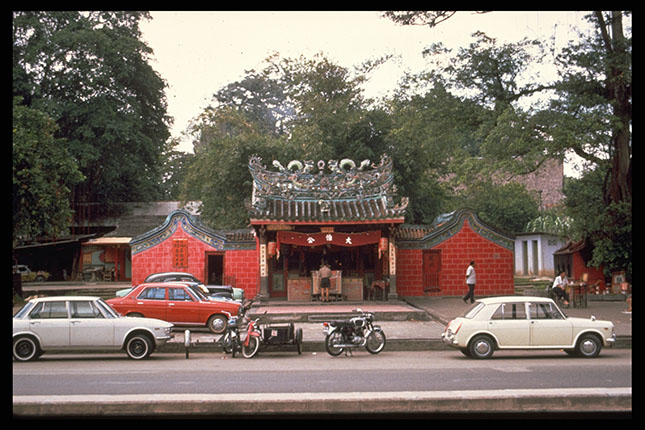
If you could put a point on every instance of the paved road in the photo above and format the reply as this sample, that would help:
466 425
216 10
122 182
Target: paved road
284 372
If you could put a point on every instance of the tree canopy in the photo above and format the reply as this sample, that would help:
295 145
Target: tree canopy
90 73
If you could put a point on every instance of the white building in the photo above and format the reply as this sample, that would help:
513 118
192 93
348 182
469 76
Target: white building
534 253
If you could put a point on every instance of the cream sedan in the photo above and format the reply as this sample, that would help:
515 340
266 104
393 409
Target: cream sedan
533 323
78 323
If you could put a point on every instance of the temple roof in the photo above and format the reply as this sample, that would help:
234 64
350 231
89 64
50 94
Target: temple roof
337 192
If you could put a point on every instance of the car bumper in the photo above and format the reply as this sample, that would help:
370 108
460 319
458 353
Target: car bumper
610 341
161 340
449 339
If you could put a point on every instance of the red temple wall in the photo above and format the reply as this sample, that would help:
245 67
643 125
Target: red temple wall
494 266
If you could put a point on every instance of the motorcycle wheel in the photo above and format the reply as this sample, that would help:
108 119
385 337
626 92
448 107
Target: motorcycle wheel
331 340
227 343
375 342
299 341
252 348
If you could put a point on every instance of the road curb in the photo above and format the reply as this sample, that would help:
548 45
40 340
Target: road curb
572 400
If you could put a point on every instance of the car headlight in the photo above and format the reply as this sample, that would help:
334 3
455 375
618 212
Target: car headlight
164 330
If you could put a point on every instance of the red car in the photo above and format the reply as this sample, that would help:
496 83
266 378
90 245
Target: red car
176 303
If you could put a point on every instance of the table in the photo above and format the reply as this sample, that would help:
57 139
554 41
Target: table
578 294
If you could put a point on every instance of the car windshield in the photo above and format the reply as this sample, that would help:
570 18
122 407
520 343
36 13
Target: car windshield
107 309
24 310
473 310
198 293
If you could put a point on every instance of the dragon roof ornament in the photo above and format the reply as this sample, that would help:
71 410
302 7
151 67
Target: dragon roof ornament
331 180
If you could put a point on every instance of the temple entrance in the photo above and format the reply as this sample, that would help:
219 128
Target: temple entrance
214 269
294 262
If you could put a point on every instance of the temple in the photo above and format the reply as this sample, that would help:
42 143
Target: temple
342 213
336 213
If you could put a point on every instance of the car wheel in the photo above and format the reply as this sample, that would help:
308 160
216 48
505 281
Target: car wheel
589 346
217 324
25 348
134 315
481 347
138 347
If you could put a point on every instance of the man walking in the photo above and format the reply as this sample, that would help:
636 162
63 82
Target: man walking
470 281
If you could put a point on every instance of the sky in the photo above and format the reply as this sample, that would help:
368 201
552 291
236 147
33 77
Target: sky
198 53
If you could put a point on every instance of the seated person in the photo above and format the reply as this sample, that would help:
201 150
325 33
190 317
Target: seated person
559 285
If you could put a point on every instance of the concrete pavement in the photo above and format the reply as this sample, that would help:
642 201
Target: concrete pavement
572 402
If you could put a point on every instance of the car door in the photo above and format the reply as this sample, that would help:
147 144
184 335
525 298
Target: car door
88 326
510 325
548 327
49 320
182 306
151 302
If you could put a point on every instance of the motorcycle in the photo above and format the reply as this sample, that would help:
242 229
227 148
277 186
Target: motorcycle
355 332
232 340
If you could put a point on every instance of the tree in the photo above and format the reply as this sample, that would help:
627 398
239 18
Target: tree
588 111
607 228
89 72
43 173
593 114
225 140
293 109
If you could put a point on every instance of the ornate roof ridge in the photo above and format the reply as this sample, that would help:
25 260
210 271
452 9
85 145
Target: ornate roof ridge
334 180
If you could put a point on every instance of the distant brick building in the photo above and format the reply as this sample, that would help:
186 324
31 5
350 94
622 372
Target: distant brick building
547 183
349 218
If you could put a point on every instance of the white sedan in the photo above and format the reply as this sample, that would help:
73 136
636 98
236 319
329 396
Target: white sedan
534 323
78 323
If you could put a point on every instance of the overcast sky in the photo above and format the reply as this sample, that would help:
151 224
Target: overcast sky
198 53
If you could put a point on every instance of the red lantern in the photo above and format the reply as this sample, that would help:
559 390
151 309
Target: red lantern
382 246
271 249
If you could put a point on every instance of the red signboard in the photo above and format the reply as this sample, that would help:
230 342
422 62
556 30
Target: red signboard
180 252
331 238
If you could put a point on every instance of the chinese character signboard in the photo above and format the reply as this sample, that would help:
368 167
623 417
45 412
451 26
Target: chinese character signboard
180 252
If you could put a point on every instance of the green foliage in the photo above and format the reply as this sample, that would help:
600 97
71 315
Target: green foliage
43 173
551 221
89 72
509 206
607 228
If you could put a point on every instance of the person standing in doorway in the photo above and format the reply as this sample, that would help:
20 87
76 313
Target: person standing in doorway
470 281
325 274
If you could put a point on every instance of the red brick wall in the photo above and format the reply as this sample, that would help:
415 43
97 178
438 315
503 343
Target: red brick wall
244 266
494 267
593 274
159 258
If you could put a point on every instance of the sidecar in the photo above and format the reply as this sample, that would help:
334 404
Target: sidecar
281 334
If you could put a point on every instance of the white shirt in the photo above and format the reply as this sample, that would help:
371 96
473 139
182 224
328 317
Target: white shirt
470 275
560 282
